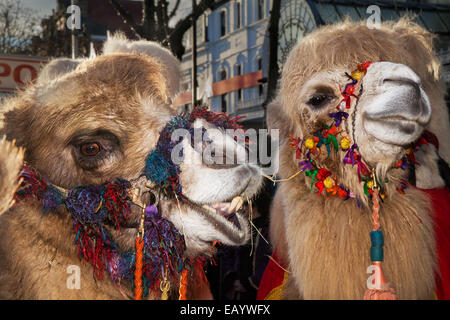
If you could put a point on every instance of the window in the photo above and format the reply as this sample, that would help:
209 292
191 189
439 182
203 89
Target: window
223 23
205 30
223 98
260 87
238 73
223 74
238 15
260 8
223 101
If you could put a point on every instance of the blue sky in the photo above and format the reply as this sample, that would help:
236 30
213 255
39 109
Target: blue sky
43 7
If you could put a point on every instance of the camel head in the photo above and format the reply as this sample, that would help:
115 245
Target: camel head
397 97
86 121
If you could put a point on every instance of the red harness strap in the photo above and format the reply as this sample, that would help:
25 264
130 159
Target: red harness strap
441 205
272 278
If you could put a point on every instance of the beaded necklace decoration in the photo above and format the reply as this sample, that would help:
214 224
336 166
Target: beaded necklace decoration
333 136
94 206
159 256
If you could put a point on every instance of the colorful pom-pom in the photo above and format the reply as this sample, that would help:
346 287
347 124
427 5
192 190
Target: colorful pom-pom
328 182
345 143
356 74
309 143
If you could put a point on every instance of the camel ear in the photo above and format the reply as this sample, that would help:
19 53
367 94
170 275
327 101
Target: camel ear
118 43
11 159
277 119
57 68
433 172
414 38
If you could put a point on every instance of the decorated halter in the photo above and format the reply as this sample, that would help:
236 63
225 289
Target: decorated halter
334 137
159 167
158 258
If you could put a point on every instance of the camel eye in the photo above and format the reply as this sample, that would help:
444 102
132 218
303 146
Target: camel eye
318 100
90 149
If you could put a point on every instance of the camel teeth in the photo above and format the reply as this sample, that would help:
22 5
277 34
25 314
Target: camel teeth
209 208
236 204
240 204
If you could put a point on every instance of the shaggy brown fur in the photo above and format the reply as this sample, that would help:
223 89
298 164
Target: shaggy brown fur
115 104
123 94
327 239
9 166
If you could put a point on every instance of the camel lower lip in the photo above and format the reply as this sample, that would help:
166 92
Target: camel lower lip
223 209
393 130
230 224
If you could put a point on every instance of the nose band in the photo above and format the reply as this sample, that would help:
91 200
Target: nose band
159 167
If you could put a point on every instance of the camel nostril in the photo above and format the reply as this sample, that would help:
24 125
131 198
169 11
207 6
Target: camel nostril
402 81
409 96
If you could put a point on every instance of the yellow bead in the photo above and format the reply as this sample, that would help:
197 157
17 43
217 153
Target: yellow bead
370 184
356 74
309 143
328 183
345 143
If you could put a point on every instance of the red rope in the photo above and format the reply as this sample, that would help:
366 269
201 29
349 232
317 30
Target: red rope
183 285
138 271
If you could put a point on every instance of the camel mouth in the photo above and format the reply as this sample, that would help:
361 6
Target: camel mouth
228 217
399 118
228 210
394 130
231 211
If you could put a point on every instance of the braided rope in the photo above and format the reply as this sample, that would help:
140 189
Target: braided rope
183 285
139 243
376 210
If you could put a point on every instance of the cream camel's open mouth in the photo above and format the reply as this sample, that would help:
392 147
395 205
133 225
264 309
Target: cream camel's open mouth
228 217
228 210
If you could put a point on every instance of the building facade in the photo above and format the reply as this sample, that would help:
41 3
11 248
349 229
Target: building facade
233 45
232 58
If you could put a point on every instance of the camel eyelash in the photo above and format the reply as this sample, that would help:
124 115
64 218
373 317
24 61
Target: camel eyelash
92 150
320 100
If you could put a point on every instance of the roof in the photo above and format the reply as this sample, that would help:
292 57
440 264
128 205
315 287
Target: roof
432 16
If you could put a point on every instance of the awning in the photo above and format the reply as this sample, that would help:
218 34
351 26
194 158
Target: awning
434 17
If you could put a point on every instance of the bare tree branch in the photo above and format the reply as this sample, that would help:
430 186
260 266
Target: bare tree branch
174 10
128 19
176 36
155 21
18 25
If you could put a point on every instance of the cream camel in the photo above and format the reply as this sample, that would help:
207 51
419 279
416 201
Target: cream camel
324 239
